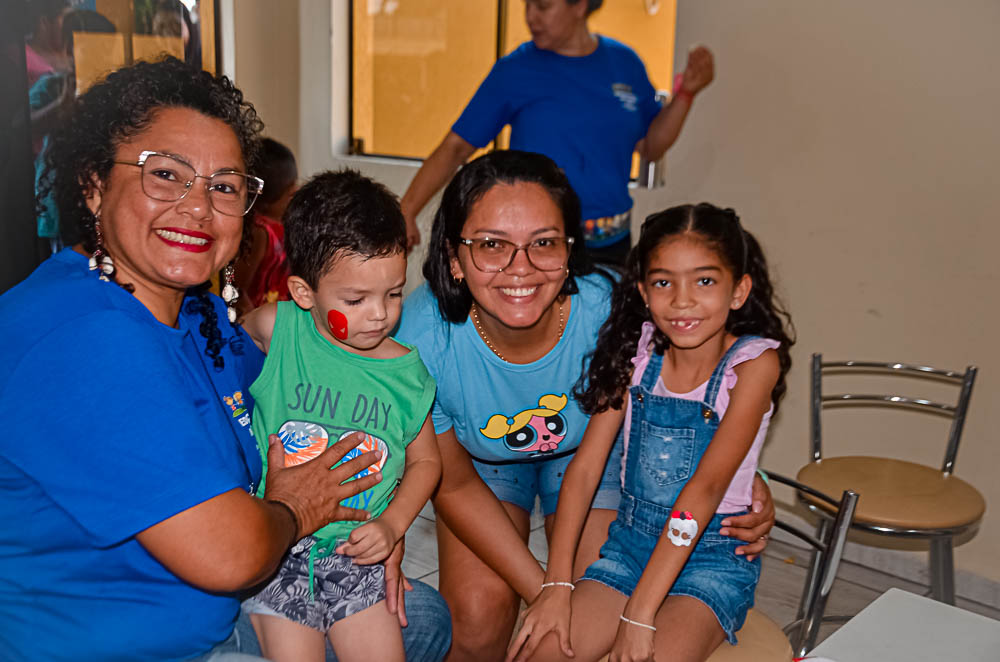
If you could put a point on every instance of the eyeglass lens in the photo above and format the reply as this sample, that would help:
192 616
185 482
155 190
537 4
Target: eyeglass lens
167 179
496 254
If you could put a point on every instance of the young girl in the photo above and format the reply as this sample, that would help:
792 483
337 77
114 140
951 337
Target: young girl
693 359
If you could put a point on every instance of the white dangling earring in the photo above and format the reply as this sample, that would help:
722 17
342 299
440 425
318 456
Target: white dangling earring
101 259
229 292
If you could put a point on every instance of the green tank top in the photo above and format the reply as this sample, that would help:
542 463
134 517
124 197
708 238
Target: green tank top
311 393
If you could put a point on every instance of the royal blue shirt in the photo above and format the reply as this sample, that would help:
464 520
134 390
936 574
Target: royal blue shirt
502 412
113 422
585 113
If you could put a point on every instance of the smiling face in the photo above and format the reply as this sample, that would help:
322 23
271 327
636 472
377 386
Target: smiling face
554 23
162 246
518 296
690 291
357 302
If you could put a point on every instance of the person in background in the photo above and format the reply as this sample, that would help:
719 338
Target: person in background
580 98
262 273
50 99
44 50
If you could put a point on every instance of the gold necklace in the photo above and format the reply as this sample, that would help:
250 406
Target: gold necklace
486 339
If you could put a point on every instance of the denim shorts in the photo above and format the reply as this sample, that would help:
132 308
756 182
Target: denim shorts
520 482
713 574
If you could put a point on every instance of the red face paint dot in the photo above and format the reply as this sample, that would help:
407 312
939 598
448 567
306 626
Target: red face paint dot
338 324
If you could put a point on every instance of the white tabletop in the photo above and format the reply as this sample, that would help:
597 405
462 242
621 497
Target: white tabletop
904 627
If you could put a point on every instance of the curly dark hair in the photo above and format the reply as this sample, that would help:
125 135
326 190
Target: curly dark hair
81 150
605 382
468 186
338 212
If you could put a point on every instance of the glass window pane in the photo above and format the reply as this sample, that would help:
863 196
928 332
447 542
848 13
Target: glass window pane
416 63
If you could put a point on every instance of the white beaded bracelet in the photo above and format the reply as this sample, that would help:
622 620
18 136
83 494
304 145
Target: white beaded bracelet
642 625
566 584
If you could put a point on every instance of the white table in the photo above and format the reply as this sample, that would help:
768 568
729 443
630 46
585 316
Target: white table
904 627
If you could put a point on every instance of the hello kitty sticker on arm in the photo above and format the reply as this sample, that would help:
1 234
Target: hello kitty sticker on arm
682 528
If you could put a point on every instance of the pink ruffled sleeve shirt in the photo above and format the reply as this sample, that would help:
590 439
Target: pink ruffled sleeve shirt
738 494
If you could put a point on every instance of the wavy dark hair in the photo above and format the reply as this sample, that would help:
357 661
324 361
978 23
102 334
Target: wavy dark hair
82 149
338 213
605 382
466 188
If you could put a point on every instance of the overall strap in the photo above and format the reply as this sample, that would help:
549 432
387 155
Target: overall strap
652 371
715 382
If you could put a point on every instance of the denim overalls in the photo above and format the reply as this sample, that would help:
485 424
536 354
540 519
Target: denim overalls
667 438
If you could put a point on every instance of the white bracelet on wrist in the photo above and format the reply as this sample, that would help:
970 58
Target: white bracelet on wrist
568 585
642 625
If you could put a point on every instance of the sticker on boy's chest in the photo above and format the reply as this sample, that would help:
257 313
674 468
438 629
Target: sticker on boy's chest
370 444
303 441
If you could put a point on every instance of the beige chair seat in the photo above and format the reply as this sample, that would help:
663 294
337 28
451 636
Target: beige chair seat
760 640
896 493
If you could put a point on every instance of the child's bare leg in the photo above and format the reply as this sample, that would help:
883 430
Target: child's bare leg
686 630
370 634
592 627
282 640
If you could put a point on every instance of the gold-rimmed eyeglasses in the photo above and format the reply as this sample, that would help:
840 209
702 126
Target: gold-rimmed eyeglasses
168 178
494 255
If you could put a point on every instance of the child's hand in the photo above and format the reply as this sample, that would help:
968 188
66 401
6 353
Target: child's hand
550 612
370 543
632 644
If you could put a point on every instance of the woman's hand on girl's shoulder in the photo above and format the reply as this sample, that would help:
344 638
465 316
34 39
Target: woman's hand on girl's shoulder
550 612
259 325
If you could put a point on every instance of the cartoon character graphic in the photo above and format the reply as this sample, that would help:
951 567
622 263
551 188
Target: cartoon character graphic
235 402
371 443
303 441
682 528
537 430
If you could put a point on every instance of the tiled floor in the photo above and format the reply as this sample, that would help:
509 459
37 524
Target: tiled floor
778 593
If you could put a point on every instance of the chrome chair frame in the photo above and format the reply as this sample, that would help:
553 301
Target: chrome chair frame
828 548
941 549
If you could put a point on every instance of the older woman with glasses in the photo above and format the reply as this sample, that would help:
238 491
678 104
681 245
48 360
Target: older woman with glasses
127 468
508 315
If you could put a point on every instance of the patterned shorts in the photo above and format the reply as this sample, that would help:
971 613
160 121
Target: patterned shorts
340 588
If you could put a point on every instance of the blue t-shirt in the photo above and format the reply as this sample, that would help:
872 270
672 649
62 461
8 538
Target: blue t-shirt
506 412
585 113
133 430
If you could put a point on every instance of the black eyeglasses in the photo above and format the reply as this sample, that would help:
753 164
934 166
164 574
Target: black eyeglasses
493 255
168 179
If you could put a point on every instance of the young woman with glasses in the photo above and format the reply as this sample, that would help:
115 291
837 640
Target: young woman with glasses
505 322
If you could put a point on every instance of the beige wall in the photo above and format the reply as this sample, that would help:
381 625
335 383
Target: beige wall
267 64
859 141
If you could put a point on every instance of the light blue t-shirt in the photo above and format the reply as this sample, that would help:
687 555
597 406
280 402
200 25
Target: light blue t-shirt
505 412
113 422
585 113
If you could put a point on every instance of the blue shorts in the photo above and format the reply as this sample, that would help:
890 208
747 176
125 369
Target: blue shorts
713 574
520 482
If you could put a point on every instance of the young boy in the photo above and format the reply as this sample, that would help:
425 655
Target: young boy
332 370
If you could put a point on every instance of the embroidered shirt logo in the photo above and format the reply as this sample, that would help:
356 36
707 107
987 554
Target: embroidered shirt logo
238 407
